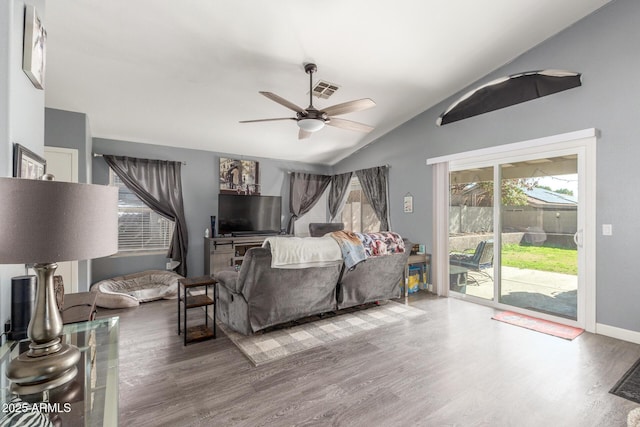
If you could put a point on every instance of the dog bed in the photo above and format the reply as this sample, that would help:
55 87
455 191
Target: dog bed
132 289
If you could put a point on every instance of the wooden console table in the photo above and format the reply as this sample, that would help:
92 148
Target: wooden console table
223 252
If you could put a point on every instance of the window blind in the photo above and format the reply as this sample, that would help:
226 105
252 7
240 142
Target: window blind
140 229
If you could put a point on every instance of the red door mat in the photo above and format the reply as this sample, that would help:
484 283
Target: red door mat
540 325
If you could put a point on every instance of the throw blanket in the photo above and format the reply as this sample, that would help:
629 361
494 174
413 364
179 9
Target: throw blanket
382 243
357 247
303 252
351 247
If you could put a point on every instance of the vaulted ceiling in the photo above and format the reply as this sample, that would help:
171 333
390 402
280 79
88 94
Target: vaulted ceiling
184 73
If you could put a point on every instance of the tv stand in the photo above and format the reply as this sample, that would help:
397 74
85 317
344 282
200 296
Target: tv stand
254 233
224 252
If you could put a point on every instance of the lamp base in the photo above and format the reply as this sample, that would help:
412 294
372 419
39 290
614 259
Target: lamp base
49 363
35 374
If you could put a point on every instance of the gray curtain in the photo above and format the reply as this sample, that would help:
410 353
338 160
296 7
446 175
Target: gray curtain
305 190
374 186
158 183
339 187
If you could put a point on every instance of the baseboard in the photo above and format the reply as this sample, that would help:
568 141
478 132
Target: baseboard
619 333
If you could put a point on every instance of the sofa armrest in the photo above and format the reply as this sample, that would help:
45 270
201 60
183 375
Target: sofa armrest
228 279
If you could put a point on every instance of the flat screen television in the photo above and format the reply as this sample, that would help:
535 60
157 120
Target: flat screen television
246 215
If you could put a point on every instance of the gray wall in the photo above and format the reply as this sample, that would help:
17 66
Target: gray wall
604 47
67 129
21 114
200 194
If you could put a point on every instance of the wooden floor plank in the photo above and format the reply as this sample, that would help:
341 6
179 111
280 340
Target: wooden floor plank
453 366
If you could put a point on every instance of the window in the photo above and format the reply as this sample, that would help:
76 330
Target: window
357 214
140 229
318 213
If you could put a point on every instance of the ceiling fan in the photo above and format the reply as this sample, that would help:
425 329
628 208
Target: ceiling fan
312 120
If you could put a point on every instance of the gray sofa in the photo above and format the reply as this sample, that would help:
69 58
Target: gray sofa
378 278
258 296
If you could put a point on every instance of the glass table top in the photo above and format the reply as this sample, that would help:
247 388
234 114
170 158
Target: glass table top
91 399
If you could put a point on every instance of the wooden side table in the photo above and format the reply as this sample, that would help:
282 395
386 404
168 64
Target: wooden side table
186 302
424 260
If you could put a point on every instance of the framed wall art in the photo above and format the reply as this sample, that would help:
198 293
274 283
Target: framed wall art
27 164
239 176
34 48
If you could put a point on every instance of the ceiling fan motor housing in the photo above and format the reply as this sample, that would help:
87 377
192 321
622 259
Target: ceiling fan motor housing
310 68
312 113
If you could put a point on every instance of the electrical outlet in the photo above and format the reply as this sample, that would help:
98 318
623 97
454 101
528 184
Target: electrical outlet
168 266
607 230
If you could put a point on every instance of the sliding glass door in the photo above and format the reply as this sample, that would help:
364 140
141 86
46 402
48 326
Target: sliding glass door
471 232
539 225
519 244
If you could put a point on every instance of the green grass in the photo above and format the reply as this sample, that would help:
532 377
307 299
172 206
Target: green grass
542 258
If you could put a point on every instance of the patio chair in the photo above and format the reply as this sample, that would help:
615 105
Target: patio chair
481 259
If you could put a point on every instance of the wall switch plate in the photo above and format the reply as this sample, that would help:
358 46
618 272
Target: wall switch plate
607 229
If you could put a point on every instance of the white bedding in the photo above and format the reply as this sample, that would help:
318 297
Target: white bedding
303 252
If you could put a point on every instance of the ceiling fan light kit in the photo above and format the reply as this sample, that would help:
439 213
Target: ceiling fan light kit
311 125
311 120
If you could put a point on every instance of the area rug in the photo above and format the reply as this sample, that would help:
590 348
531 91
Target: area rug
628 386
279 343
539 325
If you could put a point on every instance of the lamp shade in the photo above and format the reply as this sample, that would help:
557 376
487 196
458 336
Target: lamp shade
50 221
310 125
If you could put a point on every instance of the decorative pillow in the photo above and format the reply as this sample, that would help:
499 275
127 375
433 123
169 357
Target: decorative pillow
23 417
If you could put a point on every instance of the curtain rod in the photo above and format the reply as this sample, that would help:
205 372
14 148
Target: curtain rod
101 155
290 172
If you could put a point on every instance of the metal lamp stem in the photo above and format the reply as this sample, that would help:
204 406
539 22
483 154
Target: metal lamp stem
49 363
45 326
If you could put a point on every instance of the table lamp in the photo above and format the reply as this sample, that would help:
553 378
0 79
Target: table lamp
44 222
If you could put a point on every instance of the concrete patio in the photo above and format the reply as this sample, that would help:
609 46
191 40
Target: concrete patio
547 292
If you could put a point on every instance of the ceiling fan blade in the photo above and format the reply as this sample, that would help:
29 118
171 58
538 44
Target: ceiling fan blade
284 102
349 125
349 107
303 134
266 120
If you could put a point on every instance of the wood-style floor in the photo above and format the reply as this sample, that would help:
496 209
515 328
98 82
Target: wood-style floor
452 367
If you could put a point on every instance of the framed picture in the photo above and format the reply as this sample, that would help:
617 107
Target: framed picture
408 203
34 48
27 164
239 176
